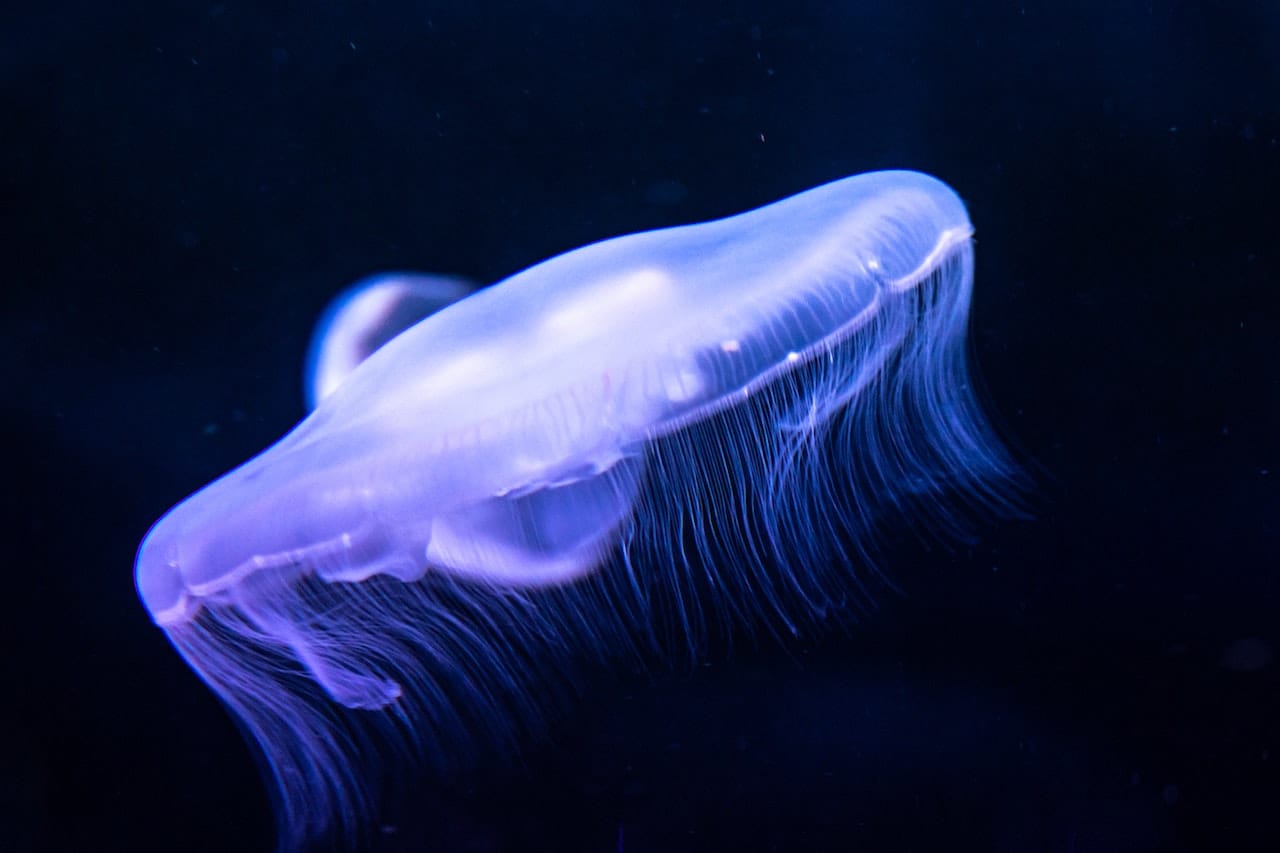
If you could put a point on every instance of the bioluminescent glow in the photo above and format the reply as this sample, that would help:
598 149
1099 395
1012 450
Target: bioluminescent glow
623 451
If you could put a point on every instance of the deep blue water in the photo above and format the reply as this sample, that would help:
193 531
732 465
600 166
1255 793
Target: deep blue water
184 185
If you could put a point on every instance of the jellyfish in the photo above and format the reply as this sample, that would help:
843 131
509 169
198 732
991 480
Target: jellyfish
626 453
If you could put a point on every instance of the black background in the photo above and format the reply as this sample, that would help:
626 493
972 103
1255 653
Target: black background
184 185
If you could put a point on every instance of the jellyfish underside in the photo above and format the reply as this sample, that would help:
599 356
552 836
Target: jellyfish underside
619 453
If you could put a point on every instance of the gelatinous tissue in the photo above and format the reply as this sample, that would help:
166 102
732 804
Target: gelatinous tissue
622 452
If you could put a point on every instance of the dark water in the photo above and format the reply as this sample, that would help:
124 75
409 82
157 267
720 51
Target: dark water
184 185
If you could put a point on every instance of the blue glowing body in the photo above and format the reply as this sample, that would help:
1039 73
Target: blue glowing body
539 467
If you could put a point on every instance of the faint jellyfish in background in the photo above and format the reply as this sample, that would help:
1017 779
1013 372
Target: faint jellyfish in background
1247 654
666 193
627 451
367 315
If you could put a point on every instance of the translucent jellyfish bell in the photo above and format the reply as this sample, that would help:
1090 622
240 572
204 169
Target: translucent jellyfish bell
623 449
367 315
